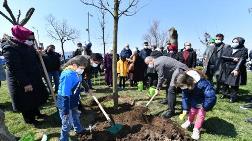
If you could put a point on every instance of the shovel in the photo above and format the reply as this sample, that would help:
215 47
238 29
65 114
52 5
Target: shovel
114 128
151 98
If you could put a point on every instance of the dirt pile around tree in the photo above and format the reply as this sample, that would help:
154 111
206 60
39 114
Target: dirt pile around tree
137 127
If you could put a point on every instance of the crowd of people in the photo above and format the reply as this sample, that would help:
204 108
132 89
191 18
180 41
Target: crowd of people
153 66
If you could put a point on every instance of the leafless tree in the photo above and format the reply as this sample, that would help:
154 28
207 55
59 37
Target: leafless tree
61 31
102 25
207 38
12 19
154 36
116 9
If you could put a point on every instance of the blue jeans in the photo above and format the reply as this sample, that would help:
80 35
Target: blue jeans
72 120
55 76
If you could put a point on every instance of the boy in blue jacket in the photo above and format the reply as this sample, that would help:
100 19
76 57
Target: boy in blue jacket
69 96
198 98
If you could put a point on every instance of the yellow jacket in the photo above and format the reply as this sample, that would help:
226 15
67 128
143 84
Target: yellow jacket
122 67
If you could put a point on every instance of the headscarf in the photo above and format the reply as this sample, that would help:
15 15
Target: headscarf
172 47
21 33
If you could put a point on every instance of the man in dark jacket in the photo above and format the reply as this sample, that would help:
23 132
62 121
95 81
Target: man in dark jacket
79 50
126 52
213 60
146 51
167 68
52 63
188 56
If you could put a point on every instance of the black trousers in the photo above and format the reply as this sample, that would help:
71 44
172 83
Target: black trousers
171 98
122 81
231 91
29 116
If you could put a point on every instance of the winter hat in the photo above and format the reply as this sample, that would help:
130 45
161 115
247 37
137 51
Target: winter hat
21 33
194 74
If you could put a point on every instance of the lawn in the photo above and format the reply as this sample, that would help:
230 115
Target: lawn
225 122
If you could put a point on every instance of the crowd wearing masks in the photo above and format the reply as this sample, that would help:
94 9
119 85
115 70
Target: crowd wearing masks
159 67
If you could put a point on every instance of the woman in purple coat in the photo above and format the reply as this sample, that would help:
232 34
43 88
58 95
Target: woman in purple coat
108 67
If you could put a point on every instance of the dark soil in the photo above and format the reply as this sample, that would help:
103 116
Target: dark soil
136 127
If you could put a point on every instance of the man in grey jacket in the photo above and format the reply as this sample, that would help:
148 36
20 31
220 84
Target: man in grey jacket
167 68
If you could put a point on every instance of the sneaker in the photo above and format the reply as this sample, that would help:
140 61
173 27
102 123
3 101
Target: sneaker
186 124
247 106
168 114
195 134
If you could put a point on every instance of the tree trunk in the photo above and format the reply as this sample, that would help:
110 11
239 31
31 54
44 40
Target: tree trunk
63 52
116 18
103 33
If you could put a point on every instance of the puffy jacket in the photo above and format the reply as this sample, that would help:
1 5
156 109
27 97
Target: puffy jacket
203 93
69 91
122 68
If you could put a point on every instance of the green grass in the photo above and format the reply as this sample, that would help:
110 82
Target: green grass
224 123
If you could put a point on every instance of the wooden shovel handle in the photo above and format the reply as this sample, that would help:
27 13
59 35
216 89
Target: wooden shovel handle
103 111
46 74
151 98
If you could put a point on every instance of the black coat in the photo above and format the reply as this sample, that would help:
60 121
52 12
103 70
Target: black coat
23 68
228 65
192 58
215 54
52 61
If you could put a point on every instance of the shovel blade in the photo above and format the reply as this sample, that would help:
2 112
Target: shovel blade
114 129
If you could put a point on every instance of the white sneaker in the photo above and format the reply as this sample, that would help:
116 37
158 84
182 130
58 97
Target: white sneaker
196 134
186 124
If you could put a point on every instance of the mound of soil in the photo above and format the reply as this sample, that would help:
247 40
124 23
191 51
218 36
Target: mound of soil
136 127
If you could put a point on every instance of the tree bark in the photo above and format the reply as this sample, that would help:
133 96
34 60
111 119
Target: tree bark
115 32
63 51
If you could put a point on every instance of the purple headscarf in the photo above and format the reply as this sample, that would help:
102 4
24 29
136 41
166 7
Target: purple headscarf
21 33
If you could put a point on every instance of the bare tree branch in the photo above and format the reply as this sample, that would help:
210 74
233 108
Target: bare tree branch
18 16
27 16
126 12
6 6
154 36
6 17
61 32
100 5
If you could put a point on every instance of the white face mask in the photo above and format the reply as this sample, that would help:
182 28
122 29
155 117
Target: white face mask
151 65
29 42
218 41
79 71
94 65
234 45
183 87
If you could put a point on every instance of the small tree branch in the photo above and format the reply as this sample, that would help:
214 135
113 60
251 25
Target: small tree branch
19 14
6 6
99 5
126 12
27 16
7 18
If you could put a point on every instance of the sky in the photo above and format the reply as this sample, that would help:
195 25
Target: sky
191 18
